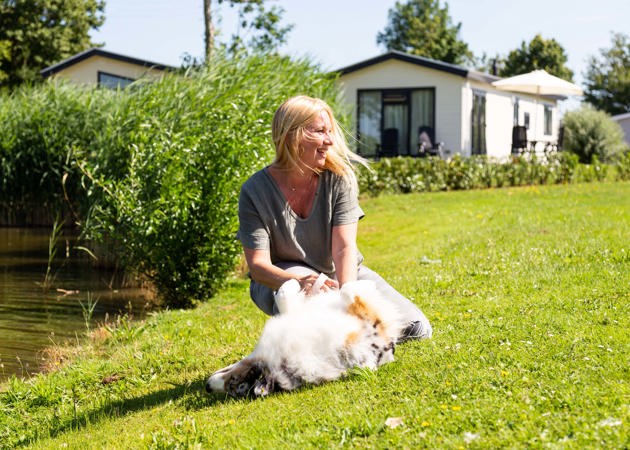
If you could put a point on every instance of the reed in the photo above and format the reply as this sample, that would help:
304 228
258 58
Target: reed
87 309
53 242
168 199
152 171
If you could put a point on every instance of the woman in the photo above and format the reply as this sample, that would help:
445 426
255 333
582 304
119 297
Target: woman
299 216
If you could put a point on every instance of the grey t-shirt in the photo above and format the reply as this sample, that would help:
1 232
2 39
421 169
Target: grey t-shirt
267 222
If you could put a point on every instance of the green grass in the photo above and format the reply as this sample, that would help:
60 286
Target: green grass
528 291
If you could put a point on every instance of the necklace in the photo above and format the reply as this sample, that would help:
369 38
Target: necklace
299 192
307 186
301 198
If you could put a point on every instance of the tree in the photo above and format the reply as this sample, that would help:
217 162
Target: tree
208 28
546 54
488 64
424 28
262 25
37 33
607 80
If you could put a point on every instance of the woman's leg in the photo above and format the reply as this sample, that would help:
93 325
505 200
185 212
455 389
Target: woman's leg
263 296
419 326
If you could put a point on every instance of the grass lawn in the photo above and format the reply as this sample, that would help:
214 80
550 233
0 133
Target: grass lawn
528 291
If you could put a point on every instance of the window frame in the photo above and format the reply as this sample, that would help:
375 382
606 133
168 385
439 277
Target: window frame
408 92
100 74
548 120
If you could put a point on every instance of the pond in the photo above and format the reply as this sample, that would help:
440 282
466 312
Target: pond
79 297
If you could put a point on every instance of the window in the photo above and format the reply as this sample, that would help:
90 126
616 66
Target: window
548 120
402 110
112 81
369 122
478 123
516 108
526 120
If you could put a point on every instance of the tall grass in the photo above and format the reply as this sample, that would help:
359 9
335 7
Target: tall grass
38 126
527 291
53 242
195 141
153 171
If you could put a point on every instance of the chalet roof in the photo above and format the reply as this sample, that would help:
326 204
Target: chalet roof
423 62
622 116
431 64
50 70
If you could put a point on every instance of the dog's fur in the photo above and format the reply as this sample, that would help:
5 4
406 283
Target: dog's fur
315 339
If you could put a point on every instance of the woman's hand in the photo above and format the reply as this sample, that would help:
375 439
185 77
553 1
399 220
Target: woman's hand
264 272
314 284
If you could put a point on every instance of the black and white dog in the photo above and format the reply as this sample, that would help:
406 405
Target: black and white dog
315 339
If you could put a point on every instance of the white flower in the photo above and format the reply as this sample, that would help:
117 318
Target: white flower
469 437
609 422
393 422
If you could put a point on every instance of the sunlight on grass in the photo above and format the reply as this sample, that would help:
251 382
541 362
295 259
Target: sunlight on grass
528 293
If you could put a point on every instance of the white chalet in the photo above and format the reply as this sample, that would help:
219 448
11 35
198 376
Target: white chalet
396 97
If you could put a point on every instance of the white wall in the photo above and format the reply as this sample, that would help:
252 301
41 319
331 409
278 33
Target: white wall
499 120
453 105
394 74
85 72
624 121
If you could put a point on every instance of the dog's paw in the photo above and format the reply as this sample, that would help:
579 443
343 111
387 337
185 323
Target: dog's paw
319 284
289 292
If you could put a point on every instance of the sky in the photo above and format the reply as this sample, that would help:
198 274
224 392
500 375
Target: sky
338 33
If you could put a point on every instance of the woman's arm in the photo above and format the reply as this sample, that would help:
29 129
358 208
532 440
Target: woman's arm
264 272
344 252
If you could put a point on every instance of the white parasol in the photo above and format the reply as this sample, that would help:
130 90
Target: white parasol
538 83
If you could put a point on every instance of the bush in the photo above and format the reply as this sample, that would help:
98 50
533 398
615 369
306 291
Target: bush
152 173
169 199
589 133
38 128
404 174
623 167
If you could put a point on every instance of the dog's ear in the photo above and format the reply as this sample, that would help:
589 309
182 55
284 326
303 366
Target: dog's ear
243 377
237 380
263 386
216 381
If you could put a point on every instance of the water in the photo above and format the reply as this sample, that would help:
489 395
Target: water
32 318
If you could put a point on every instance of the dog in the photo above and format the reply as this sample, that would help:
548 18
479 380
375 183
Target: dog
314 339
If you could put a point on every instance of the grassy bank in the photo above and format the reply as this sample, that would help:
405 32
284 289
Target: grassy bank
528 292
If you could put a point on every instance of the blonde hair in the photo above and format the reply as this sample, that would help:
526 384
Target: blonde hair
289 128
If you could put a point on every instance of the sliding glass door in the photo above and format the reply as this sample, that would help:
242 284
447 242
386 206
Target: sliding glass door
388 120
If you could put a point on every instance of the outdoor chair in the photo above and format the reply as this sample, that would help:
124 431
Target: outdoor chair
389 142
426 142
560 137
519 139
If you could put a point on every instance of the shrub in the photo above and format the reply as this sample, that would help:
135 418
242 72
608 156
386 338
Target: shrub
38 128
153 172
169 200
589 133
404 174
623 167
